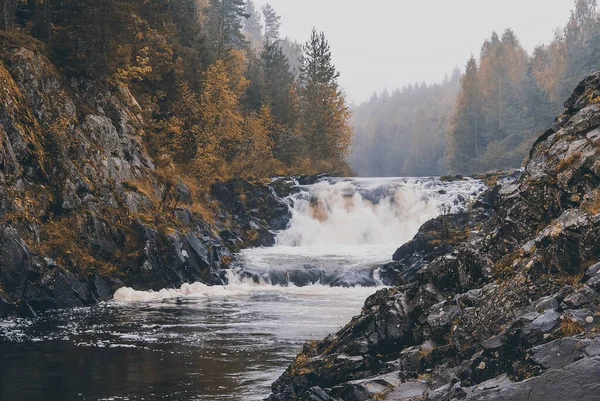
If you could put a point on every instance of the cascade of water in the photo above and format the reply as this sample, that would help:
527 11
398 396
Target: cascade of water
342 229
340 232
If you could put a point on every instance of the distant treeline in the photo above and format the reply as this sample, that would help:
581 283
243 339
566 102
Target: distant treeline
489 117
221 92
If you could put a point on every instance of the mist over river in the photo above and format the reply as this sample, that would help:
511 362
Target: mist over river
229 342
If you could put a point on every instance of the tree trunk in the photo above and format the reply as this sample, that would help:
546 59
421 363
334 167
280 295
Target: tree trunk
41 15
7 13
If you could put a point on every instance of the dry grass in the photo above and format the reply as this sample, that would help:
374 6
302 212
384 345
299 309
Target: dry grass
569 327
568 162
59 241
591 202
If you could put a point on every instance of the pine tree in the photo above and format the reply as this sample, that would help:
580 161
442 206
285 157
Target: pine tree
325 114
272 23
224 25
96 37
293 52
278 79
465 137
252 25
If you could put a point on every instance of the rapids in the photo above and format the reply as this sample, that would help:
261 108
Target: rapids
230 342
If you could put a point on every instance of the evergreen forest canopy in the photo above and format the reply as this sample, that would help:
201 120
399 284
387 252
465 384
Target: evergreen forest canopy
489 117
221 92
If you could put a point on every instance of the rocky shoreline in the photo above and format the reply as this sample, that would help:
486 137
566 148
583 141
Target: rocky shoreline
85 211
497 303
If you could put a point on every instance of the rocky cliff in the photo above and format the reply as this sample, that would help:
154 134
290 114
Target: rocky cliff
84 210
497 303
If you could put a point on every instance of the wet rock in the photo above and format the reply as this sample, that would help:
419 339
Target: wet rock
56 290
14 261
256 209
101 289
7 308
312 179
199 248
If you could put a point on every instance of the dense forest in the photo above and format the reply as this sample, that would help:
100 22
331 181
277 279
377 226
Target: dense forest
485 119
221 92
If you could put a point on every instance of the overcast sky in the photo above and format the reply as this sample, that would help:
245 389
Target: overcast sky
379 44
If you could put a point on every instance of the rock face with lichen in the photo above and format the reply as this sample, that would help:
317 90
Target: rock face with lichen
499 303
84 210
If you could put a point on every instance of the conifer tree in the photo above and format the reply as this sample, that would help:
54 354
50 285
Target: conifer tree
224 25
272 23
42 18
278 79
465 139
325 114
252 25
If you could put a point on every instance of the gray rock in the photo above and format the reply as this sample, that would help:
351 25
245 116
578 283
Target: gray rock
559 353
545 303
546 321
592 271
407 391
578 315
441 314
491 384
316 394
492 343
198 247
581 297
578 381
592 347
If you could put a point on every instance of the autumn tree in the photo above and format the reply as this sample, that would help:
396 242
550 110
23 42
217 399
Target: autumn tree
222 133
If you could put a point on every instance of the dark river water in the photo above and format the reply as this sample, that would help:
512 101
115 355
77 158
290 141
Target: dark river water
209 348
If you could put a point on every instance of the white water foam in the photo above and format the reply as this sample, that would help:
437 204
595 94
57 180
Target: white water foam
237 287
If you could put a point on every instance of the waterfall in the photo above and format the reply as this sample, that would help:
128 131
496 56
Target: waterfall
341 230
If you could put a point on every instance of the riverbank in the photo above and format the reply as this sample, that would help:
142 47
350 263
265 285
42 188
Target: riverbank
498 303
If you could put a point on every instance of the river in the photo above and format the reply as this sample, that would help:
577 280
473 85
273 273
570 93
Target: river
229 342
